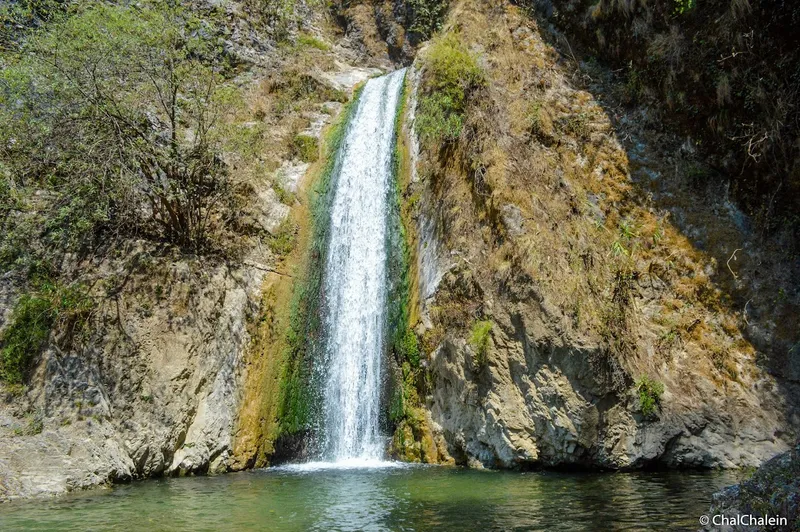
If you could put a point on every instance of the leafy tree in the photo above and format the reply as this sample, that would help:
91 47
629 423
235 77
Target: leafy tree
117 112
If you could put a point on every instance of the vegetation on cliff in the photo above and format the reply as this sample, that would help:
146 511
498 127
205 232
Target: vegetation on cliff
727 73
453 75
550 237
117 113
113 127
298 388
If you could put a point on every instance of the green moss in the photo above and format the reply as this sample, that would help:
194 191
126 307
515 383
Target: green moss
310 41
404 342
479 340
650 392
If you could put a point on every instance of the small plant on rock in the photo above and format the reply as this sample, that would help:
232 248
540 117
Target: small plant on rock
479 340
650 392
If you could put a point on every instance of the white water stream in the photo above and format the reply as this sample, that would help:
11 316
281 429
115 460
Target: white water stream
355 278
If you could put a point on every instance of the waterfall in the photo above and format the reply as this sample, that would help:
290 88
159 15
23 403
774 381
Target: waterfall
355 277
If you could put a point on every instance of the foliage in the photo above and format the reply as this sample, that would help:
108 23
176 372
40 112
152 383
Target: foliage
32 319
426 17
117 111
683 6
625 243
409 348
650 392
283 240
19 17
436 120
452 75
479 340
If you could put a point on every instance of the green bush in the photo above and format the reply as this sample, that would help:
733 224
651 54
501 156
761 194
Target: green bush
426 16
410 348
479 340
650 392
436 120
683 6
21 16
452 75
32 319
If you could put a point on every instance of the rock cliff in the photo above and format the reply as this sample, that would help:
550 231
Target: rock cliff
575 284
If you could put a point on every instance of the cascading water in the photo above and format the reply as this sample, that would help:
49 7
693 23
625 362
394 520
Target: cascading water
355 277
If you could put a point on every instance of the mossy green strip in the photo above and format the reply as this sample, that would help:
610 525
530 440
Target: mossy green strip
403 341
299 393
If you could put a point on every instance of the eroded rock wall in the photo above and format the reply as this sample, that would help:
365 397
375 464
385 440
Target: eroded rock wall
155 390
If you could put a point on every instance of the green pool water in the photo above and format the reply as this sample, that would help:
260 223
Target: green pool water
386 498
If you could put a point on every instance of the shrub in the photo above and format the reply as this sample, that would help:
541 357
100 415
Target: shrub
683 6
282 241
21 16
410 348
426 16
479 340
650 392
453 74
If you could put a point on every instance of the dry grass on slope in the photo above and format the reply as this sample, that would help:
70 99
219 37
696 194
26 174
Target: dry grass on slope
538 205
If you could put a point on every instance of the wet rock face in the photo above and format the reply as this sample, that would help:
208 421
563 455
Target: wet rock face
772 491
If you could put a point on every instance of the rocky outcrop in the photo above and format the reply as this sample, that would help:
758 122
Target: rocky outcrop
544 400
772 492
156 389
